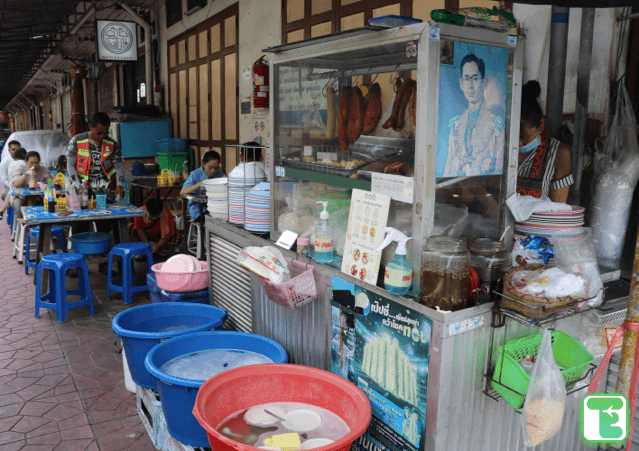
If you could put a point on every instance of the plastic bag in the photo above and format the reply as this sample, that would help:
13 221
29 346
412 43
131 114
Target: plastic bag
267 262
616 175
577 255
543 411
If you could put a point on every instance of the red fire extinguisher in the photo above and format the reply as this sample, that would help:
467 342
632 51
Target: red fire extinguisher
260 83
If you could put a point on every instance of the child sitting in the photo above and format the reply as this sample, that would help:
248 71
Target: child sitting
157 226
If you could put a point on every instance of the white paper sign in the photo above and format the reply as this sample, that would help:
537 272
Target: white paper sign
396 186
287 238
364 234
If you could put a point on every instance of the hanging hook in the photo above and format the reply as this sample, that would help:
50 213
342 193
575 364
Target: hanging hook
330 82
375 78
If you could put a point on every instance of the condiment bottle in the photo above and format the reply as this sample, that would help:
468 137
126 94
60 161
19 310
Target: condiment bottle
324 238
31 179
302 246
398 276
85 199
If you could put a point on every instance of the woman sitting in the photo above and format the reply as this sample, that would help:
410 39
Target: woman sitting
210 170
158 226
35 171
16 168
544 163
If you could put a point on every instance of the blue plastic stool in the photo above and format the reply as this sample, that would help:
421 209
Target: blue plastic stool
56 298
10 218
127 251
56 232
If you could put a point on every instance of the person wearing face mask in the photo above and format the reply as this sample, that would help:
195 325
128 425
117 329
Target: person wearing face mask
158 226
544 163
210 169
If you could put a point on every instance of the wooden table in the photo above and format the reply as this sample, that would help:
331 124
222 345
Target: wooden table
38 216
150 184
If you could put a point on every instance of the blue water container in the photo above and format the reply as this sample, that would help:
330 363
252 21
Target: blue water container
144 326
178 395
159 295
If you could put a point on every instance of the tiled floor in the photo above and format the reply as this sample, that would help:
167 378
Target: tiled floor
61 385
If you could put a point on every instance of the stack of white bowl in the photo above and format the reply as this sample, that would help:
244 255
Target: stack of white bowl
242 179
217 193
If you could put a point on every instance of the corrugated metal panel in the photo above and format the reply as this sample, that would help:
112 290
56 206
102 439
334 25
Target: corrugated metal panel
470 420
230 284
304 333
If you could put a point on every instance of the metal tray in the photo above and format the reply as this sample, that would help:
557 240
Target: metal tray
371 148
324 168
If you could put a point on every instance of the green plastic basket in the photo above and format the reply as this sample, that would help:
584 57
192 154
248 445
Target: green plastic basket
569 354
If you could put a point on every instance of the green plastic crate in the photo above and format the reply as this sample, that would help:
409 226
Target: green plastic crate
569 354
168 160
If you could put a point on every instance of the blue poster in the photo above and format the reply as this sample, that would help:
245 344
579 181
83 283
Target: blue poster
472 110
383 348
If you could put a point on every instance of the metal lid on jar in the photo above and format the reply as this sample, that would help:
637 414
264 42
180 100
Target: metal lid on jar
448 244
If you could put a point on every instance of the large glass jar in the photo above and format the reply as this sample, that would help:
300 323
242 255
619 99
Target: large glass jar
445 270
489 260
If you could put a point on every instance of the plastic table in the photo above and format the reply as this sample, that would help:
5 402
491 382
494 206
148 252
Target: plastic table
38 216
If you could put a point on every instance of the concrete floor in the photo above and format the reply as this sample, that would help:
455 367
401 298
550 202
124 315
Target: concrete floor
62 385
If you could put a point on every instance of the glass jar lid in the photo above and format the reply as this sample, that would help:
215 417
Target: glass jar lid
447 244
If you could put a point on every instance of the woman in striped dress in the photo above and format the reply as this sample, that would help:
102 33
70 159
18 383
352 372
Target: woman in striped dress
544 163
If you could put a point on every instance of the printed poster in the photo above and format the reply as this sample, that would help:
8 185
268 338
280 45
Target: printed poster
364 234
299 96
472 109
383 348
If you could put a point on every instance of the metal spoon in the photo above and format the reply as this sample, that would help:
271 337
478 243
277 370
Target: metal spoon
272 414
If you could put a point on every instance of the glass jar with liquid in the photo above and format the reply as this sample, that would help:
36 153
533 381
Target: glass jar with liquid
445 272
490 260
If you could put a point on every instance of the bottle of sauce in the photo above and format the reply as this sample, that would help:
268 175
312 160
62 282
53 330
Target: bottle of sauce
85 199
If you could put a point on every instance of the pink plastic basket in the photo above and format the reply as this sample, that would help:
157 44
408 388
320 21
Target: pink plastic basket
180 282
295 293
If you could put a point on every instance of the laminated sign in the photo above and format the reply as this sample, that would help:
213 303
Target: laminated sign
383 348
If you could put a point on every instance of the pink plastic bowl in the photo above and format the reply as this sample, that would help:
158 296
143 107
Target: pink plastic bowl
42 185
179 282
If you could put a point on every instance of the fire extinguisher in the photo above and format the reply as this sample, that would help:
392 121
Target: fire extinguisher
260 83
50 116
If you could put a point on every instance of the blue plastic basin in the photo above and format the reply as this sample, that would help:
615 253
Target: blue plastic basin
178 395
91 243
144 326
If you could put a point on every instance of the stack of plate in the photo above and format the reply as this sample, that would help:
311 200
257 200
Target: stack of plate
217 193
258 208
242 179
548 223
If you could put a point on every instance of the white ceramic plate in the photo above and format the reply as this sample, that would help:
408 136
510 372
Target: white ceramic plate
315 443
302 420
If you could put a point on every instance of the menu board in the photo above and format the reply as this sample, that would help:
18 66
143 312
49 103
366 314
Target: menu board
383 348
364 234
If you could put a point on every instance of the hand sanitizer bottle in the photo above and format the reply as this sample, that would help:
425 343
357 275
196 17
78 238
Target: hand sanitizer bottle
398 277
324 238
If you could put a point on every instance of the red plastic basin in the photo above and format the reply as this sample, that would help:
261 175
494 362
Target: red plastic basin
241 388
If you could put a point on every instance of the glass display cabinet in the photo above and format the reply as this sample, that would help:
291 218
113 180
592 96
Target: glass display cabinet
432 108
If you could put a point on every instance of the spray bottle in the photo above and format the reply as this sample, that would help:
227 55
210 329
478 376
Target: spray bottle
399 273
324 238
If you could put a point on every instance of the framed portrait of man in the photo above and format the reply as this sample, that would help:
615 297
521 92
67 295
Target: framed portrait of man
472 111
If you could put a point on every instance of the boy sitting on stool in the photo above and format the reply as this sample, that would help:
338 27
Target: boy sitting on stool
158 226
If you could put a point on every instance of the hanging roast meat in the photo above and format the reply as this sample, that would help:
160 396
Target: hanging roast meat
373 110
392 120
356 116
344 111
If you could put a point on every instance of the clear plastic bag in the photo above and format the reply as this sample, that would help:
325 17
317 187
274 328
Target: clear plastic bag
543 411
577 255
616 175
